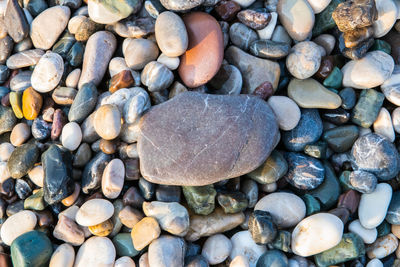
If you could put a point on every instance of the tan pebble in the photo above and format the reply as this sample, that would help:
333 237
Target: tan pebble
144 232
19 134
63 256
130 216
107 122
37 175
68 231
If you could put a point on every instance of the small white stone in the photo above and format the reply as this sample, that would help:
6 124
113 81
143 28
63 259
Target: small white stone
387 15
73 78
239 261
124 262
4 173
244 3
316 233
373 207
16 225
70 212
216 249
36 174
116 65
383 125
367 235
6 150
96 251
286 110
267 32
244 245
138 103
113 178
63 256
75 22
71 136
391 87
47 73
172 63
383 246
374 263
318 5
396 119
287 209
94 211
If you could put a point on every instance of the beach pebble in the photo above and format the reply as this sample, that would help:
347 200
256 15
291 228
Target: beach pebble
20 134
383 247
318 5
374 263
47 73
368 235
73 78
24 59
216 249
268 31
383 125
71 136
387 16
244 245
239 261
391 87
96 251
396 119
107 122
156 76
111 12
139 52
167 251
5 151
94 211
63 256
113 178
171 63
16 225
304 60
144 232
124 262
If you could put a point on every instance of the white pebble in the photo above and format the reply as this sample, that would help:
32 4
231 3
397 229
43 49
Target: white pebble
243 244
172 63
4 173
48 72
63 256
383 125
116 65
94 211
71 136
6 150
96 251
73 78
216 249
267 32
36 174
396 119
374 263
367 235
286 110
124 262
239 261
16 225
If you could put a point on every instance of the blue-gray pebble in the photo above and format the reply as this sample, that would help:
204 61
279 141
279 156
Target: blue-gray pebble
273 258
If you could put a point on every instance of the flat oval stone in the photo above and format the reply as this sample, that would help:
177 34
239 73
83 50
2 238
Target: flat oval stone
373 206
84 103
309 93
242 36
48 25
22 160
47 73
107 122
213 255
287 209
112 11
205 38
387 16
269 49
94 211
171 35
383 246
31 103
167 251
297 17
16 225
156 76
316 233
96 251
64 255
370 71
368 235
304 60
113 178
71 136
24 59
183 155
139 52
20 134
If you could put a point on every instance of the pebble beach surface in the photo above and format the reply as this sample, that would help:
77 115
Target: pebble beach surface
196 133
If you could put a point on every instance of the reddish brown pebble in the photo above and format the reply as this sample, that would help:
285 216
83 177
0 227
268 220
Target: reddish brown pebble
350 200
325 68
108 146
205 52
133 198
59 120
253 19
342 213
5 260
264 90
48 109
5 100
120 80
44 218
227 10
68 201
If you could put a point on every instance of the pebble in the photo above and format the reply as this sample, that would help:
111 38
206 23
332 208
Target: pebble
280 35
22 160
124 262
15 21
370 71
253 19
244 245
36 174
171 34
64 255
239 261
387 16
216 249
21 81
268 31
47 73
111 12
383 125
316 233
111 115
144 232
167 251
113 178
318 6
172 217
171 63
48 25
390 87
205 38
96 251
156 76
355 14
20 134
68 231
181 5
16 225
227 81
304 59
92 173
94 211
139 52
98 52
73 78
392 214
271 170
6 150
297 16
396 119
242 36
367 108
71 136
273 258
373 207
24 59
287 209
194 105
368 235
32 103
262 228
374 263
269 49
383 247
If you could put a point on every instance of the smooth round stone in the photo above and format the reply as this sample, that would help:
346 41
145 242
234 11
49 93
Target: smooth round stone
387 16
41 129
6 47
16 225
96 251
36 174
6 150
156 76
63 256
287 209
171 63
47 73
73 78
383 246
227 81
349 98
22 160
33 248
75 22
274 258
393 212
368 235
316 233
48 25
304 59
171 35
21 81
7 119
309 93
383 125
269 49
138 103
377 155
124 262
107 122
99 49
205 39
94 211
20 134
139 52
280 35
396 119
32 103
113 178
167 251
373 207
111 12
362 181
297 16
244 245
370 71
374 263
216 249
318 5
242 36
71 136
391 87
24 59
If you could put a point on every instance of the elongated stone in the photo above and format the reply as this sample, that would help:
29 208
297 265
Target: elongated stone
367 108
22 160
84 103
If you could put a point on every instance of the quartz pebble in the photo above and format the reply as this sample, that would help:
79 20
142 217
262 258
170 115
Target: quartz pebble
96 251
16 225
304 60
113 178
94 211
244 245
47 73
368 235
282 107
383 125
64 255
216 249
71 136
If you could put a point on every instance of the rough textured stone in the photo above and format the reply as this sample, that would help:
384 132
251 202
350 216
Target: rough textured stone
355 14
183 155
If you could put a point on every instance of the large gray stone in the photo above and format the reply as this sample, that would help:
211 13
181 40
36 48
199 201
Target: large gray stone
198 139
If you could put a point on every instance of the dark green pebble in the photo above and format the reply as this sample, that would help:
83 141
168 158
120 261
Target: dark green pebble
334 79
232 202
312 205
367 108
200 199
124 246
